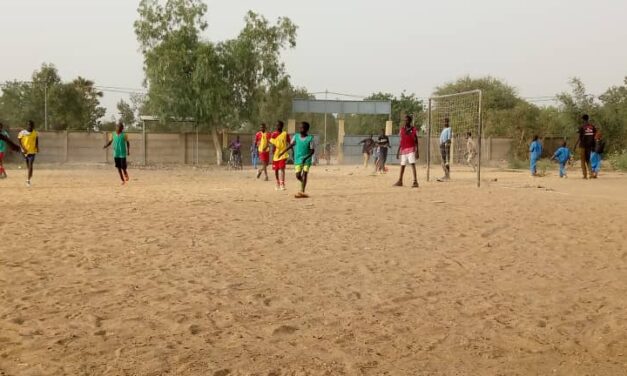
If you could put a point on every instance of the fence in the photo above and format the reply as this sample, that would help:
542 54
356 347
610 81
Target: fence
191 148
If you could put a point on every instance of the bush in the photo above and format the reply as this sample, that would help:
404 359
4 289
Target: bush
618 160
517 164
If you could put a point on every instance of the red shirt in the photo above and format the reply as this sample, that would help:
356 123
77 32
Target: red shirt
408 141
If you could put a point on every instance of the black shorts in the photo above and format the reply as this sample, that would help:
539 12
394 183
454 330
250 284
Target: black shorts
120 163
445 152
383 155
30 158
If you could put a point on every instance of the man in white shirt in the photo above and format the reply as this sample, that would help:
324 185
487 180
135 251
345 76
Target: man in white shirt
445 149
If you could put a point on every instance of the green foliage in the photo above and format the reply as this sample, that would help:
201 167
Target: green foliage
71 105
406 104
618 160
127 115
217 84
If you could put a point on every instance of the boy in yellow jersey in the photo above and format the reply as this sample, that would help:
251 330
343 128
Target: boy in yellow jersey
280 140
29 142
121 149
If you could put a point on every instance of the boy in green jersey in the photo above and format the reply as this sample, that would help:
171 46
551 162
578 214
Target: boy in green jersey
121 149
303 145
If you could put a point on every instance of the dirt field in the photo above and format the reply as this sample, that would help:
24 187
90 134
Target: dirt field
207 272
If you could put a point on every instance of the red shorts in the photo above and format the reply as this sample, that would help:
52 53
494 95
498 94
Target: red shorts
279 165
264 157
1 155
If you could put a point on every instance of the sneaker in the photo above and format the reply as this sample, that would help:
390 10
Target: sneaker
28 183
282 187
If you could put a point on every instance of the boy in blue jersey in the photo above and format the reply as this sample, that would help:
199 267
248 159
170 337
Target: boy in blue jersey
562 156
121 149
535 152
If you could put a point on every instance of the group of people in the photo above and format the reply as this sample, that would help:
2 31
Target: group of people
279 143
408 149
591 145
378 148
28 146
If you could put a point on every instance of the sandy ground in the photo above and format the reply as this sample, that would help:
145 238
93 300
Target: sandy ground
208 272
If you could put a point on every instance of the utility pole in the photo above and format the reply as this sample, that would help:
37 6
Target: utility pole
326 95
46 105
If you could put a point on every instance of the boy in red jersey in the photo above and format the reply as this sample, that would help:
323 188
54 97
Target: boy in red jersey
408 150
262 143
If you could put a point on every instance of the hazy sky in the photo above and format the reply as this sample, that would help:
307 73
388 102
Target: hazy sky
348 46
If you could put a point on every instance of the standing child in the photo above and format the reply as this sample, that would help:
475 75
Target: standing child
262 143
535 152
562 156
596 155
304 149
29 141
121 149
408 150
280 140
254 155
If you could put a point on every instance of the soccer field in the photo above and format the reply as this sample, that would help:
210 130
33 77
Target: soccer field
210 272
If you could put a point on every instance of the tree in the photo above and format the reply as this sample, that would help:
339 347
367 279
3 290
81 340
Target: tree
406 104
127 115
73 105
613 117
498 99
215 84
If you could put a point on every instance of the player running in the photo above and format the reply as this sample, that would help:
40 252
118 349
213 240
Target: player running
29 142
562 156
262 143
304 149
535 153
366 150
280 140
587 131
408 150
121 149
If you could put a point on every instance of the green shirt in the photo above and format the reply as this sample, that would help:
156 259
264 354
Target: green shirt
119 145
302 148
3 145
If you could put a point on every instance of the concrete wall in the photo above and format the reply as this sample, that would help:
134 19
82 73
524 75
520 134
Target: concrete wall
187 148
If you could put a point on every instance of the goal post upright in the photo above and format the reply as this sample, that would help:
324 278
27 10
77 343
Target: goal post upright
429 143
479 142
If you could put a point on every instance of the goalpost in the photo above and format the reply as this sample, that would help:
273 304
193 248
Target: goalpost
463 111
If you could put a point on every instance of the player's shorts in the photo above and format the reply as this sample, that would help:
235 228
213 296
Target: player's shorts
445 152
302 167
279 165
1 155
120 163
264 157
30 158
408 158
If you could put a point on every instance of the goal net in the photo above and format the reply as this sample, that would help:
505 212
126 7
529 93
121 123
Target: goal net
461 150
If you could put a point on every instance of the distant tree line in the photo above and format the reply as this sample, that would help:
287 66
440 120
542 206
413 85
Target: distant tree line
238 83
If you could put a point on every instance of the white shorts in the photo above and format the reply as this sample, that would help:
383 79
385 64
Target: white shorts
409 158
